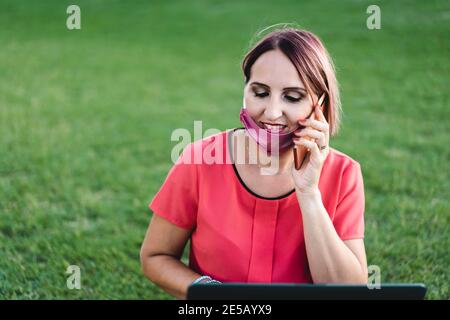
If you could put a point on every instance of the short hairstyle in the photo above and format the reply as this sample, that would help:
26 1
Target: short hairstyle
312 61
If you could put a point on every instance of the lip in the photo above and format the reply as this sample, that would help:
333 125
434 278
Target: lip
274 124
284 130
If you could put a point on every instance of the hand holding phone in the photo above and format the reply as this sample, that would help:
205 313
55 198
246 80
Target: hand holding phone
300 151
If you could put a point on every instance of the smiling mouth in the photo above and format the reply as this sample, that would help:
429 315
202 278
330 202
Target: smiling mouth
274 128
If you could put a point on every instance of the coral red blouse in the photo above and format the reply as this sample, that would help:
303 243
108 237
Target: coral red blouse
239 236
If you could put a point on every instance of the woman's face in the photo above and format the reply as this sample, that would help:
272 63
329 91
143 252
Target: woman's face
275 93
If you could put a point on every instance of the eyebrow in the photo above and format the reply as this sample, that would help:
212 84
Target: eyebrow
288 88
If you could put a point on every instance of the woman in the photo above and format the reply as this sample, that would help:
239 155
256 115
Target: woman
245 225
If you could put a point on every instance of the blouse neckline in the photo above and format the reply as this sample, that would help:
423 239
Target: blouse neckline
230 153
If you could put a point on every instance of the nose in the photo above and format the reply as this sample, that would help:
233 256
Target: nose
273 111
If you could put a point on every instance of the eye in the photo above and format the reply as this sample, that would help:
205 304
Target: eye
261 95
292 99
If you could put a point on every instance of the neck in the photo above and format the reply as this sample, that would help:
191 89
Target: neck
276 164
273 164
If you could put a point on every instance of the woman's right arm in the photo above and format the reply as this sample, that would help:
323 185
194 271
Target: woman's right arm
161 251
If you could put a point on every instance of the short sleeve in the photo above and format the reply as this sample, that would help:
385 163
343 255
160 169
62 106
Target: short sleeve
177 199
349 215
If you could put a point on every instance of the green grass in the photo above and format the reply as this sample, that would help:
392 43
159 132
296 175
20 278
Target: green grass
86 118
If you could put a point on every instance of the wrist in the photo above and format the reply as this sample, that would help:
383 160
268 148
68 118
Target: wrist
205 280
309 197
308 193
201 279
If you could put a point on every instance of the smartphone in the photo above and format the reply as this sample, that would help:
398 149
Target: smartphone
300 151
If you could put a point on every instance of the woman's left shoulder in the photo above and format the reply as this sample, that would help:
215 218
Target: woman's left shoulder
338 159
341 170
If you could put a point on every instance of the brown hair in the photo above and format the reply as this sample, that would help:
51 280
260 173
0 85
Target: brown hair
312 61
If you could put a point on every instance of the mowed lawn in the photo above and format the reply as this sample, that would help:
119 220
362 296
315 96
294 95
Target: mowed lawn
86 118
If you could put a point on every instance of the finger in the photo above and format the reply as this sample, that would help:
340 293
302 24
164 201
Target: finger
316 135
310 145
297 142
312 133
319 114
321 117
316 124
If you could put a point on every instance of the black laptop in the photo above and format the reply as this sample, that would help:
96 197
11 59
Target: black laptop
282 291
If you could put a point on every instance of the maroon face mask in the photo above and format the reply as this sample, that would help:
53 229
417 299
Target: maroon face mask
271 142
